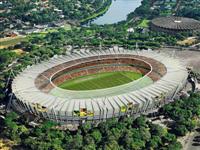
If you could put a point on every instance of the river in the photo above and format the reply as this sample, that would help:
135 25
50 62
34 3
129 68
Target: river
118 11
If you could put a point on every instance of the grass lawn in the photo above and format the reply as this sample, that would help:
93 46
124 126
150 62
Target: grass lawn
19 51
42 34
100 80
144 23
51 30
10 41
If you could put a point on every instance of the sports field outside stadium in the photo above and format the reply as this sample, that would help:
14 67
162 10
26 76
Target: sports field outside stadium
100 80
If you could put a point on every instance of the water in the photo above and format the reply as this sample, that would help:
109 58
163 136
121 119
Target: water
118 11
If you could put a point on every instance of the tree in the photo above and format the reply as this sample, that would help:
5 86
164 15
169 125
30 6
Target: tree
88 139
180 130
137 144
77 141
116 133
175 146
145 133
6 57
96 134
169 138
103 127
86 127
12 130
112 145
158 130
89 147
140 122
154 142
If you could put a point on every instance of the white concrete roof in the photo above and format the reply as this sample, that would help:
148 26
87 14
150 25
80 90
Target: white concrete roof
110 98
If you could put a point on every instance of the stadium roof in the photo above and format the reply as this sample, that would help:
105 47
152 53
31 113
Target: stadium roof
66 100
176 23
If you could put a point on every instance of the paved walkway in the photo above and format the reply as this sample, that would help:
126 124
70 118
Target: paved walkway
198 86
189 142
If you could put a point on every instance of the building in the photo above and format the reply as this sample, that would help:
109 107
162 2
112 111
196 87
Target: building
35 89
175 24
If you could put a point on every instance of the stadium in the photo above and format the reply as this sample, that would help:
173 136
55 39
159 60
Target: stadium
97 85
173 24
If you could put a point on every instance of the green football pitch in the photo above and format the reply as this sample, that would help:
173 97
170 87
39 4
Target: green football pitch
100 80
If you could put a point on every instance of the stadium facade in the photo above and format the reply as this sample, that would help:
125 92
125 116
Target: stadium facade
174 24
35 90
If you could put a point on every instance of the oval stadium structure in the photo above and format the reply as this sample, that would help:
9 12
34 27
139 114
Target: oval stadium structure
37 89
173 24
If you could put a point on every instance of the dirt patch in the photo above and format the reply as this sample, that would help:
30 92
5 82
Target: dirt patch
6 144
19 51
188 41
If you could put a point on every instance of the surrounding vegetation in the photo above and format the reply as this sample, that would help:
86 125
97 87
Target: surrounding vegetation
100 80
189 9
184 114
20 14
123 134
126 133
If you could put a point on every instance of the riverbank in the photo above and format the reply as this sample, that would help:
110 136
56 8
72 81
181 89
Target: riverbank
105 8
117 12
